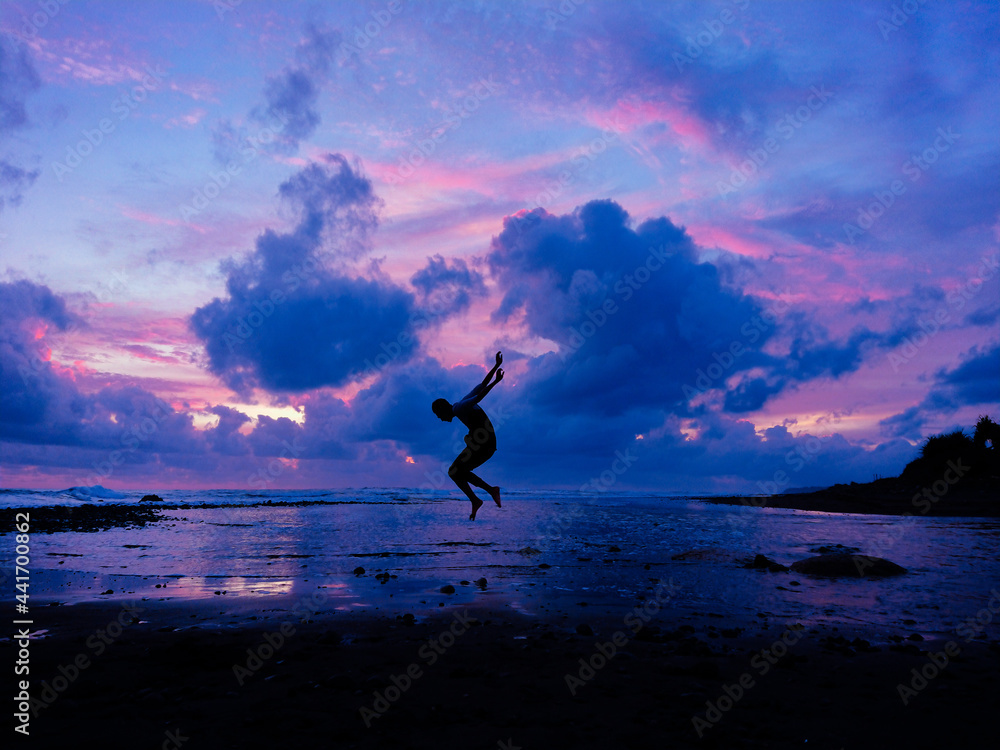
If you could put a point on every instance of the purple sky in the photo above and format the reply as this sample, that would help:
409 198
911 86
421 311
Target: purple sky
728 246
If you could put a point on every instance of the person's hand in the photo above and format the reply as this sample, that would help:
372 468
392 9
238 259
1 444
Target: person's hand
499 374
499 359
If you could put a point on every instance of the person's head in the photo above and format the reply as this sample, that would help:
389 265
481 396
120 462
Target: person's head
442 408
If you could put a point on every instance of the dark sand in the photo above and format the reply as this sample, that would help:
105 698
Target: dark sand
502 680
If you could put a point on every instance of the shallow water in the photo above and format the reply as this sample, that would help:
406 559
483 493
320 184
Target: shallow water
253 551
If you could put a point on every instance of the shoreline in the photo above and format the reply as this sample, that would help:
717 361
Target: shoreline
269 677
834 501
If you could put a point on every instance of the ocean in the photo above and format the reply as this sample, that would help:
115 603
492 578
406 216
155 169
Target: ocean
543 553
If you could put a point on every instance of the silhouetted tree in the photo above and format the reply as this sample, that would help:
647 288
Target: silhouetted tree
978 453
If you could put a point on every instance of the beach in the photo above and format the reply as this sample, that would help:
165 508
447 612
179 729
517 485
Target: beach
370 618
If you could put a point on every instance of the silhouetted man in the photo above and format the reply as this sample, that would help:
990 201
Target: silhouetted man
480 443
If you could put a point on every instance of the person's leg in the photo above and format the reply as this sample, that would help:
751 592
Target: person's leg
494 491
481 456
460 476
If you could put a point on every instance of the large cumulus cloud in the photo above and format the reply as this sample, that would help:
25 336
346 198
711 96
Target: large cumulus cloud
47 419
635 315
33 397
641 322
294 317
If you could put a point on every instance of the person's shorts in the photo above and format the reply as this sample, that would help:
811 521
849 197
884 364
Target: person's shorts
476 453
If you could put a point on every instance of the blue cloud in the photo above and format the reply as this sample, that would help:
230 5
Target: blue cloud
20 80
446 287
977 379
635 316
294 319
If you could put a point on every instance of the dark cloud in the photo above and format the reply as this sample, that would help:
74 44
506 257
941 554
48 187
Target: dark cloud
907 423
446 287
294 319
977 379
289 109
14 181
226 438
19 80
41 403
32 395
973 382
397 406
124 432
636 317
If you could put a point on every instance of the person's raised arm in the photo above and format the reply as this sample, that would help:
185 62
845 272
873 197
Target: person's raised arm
483 388
489 388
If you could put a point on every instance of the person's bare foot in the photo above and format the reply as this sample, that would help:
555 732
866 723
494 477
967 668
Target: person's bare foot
495 494
476 505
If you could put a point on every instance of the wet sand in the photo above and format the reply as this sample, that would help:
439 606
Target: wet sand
181 670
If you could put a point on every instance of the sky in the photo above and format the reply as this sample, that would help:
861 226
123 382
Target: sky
732 246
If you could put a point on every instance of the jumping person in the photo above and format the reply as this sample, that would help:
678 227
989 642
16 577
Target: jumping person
480 443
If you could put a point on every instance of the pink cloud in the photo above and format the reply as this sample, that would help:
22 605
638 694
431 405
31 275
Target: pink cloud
188 120
148 218
632 114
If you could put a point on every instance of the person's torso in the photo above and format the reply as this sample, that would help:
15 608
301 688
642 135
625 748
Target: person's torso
473 417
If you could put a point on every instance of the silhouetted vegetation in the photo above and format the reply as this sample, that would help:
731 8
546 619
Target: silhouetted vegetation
977 455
